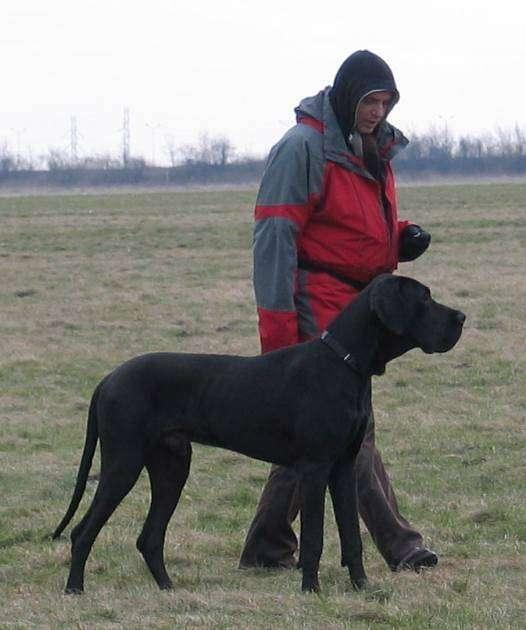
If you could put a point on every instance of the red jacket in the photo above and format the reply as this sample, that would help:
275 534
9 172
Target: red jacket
321 218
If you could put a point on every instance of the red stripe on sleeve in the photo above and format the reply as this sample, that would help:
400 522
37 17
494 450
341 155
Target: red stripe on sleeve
312 122
298 213
277 329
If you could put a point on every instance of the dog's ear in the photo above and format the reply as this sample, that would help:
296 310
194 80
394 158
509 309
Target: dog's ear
388 303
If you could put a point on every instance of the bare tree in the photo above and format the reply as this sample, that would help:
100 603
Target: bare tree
520 140
212 151
7 159
57 160
171 149
10 162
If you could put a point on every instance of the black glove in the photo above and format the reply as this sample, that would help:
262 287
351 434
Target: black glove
413 243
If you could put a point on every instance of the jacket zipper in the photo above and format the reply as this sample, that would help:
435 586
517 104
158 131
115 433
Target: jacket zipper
386 219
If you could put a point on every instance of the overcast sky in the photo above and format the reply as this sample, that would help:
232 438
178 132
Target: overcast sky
238 68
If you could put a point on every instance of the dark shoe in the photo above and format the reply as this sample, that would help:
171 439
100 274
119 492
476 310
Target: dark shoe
417 559
285 563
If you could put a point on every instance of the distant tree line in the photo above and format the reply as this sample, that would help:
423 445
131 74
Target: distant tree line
438 152
213 160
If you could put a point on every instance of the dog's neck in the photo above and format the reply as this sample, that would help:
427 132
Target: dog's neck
371 345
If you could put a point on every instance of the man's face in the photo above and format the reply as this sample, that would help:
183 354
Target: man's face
372 110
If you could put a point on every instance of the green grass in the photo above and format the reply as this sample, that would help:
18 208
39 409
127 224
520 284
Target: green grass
90 280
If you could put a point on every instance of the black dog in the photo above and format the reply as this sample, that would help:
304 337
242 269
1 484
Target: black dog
304 406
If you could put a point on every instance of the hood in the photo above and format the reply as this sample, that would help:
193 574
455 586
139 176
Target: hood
318 107
360 74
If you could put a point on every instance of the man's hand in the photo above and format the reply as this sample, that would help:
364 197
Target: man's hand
413 243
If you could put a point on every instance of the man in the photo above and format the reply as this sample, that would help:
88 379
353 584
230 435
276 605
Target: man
326 224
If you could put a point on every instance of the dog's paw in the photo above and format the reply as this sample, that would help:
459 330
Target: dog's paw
360 584
310 583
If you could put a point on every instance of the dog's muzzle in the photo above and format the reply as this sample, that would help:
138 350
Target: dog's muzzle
448 334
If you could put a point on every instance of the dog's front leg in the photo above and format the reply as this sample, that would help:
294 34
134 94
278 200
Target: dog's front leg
313 485
343 489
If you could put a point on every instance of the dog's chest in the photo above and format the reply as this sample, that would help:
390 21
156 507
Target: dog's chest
339 432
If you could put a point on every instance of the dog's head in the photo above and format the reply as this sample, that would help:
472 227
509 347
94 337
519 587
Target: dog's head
406 309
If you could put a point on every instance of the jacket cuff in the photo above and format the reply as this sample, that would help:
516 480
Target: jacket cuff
277 329
402 226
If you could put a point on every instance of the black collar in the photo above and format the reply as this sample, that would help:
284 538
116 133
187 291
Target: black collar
336 346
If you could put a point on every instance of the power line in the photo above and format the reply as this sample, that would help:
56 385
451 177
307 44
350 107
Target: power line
126 137
73 140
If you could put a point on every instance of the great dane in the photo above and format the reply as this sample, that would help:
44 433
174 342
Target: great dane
304 406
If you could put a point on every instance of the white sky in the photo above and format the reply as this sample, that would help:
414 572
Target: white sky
238 68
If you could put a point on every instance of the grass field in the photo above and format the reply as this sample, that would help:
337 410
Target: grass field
89 280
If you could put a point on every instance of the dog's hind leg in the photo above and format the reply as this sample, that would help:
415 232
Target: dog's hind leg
168 465
342 486
117 477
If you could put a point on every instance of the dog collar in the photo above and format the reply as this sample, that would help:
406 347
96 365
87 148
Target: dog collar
337 347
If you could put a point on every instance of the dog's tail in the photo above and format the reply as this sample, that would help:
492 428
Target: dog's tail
92 436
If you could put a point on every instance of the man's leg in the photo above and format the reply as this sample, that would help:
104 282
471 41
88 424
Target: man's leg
271 541
399 543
